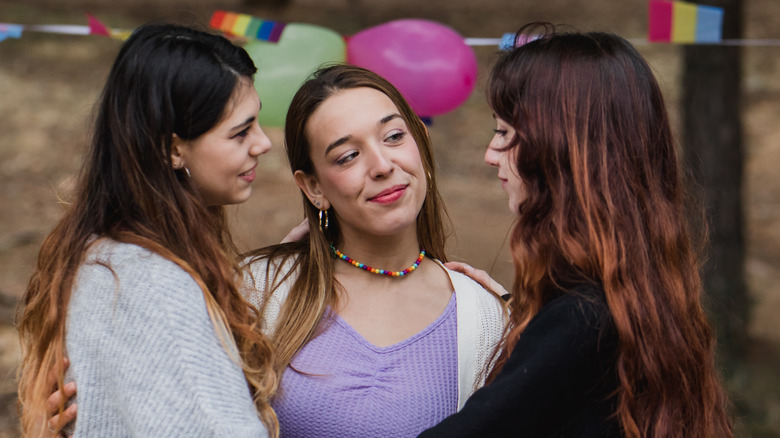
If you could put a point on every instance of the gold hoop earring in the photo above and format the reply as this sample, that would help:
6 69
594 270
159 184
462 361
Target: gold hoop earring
325 227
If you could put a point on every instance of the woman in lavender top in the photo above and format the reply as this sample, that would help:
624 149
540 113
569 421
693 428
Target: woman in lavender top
374 336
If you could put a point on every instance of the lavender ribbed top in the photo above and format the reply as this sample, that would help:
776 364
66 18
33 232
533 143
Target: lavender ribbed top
352 388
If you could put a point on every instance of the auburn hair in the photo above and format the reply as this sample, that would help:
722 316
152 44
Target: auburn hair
314 286
605 205
167 80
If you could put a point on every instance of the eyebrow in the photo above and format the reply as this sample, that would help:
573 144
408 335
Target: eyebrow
346 138
244 123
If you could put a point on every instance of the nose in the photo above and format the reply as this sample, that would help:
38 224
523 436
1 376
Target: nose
261 144
492 155
381 163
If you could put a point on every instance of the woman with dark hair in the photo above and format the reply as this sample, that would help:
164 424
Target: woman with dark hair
137 283
607 336
373 335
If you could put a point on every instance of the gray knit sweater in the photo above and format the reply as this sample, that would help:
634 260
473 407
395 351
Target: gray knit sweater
145 355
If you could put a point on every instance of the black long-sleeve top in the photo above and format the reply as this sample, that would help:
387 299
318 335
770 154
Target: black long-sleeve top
559 380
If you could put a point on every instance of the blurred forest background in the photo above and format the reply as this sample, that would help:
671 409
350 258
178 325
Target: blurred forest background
49 83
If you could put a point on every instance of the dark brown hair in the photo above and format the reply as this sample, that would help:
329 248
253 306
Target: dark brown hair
166 80
605 205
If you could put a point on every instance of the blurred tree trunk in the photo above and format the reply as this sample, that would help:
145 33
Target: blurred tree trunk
712 139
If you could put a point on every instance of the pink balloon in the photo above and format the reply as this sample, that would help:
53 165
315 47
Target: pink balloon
428 62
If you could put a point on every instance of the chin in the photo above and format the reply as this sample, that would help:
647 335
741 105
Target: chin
243 197
393 229
229 201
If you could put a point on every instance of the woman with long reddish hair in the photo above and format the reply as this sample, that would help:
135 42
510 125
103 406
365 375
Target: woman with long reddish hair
607 334
137 282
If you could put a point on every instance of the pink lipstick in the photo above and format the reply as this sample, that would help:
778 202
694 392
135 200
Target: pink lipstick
390 195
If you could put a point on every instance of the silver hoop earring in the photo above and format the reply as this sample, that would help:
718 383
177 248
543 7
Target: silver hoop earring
187 171
323 227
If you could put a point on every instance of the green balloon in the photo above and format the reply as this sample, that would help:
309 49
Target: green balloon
283 67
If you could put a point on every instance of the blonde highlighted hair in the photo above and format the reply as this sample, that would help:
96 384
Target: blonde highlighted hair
167 80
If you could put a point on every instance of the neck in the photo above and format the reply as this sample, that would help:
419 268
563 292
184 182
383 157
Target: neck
394 252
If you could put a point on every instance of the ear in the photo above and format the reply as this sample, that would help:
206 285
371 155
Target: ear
178 150
311 188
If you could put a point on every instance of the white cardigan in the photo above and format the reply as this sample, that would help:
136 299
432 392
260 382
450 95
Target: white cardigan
480 319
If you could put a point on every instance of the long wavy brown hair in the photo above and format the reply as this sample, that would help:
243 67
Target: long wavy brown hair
605 204
166 80
315 286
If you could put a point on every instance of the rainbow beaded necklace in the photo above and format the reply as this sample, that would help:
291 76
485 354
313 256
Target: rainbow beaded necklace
364 267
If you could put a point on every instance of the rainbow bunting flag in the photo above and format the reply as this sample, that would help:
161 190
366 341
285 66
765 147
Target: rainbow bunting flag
683 22
247 26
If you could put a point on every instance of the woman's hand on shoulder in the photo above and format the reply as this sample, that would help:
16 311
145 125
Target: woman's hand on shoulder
298 232
55 420
479 276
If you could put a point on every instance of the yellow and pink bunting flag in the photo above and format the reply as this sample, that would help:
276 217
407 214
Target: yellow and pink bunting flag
94 27
683 22
247 26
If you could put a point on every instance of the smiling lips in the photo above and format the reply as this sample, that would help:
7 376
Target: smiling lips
249 175
390 195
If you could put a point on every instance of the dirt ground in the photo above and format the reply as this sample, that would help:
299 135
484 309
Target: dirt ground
49 83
